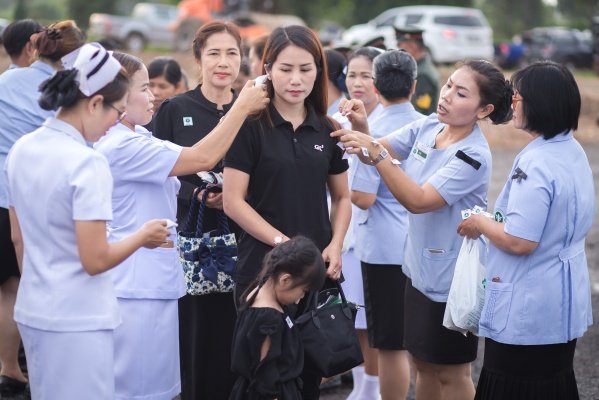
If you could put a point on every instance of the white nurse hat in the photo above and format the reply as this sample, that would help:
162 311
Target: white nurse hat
96 67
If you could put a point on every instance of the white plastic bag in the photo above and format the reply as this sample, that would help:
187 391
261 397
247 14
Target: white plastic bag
467 293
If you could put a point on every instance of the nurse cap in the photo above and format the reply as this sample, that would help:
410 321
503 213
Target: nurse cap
96 67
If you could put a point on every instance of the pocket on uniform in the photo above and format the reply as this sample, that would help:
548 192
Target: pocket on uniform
497 306
436 269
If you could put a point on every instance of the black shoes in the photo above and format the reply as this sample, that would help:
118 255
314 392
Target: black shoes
10 387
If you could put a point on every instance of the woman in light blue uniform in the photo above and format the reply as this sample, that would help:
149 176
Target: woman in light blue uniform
149 283
59 196
538 298
381 229
447 169
360 86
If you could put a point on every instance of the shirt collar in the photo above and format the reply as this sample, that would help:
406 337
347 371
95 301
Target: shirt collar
65 128
42 66
197 93
312 120
540 141
400 108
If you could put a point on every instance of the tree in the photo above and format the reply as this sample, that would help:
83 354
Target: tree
20 10
80 10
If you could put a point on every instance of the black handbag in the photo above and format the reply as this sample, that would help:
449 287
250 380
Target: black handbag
208 258
327 330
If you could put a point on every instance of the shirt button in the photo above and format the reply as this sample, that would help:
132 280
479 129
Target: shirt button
294 140
220 113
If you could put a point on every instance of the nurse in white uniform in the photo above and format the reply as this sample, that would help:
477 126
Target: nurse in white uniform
60 199
447 168
149 283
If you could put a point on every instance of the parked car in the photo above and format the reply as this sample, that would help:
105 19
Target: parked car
149 24
450 33
569 47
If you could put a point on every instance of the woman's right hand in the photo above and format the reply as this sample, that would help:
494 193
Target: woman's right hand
252 98
154 233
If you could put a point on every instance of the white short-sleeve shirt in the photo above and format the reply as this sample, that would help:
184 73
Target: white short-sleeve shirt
460 174
143 190
55 179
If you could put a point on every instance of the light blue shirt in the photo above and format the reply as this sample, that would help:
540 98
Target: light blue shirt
543 297
143 190
20 112
433 243
350 239
381 230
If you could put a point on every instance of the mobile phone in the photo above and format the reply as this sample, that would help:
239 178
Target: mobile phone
261 80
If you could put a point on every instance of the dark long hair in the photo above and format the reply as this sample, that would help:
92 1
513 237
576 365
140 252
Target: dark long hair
304 38
298 257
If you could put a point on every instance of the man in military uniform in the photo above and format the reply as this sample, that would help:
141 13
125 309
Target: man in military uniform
427 82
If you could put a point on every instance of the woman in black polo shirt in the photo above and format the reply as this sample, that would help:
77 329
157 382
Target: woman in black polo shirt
279 168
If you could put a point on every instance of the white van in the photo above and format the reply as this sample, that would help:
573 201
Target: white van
451 33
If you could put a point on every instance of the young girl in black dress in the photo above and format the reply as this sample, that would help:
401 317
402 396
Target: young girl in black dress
267 350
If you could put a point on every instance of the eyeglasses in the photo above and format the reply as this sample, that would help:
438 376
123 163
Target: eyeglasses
515 99
121 114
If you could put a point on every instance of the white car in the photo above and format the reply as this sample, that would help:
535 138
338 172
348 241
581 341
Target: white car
450 33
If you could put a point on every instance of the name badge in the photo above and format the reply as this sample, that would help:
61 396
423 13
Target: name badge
420 151
289 322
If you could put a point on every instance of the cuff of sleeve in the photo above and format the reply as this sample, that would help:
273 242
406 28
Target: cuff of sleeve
364 185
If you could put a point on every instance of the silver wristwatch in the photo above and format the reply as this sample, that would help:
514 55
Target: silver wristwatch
382 155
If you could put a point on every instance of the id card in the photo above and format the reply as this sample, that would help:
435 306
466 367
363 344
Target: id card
420 151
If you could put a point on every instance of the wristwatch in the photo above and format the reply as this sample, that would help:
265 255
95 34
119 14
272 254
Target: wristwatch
277 240
382 155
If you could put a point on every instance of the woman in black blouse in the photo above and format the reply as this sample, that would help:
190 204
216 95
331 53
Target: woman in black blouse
278 170
206 322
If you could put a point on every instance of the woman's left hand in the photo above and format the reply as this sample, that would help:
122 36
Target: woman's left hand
469 227
332 255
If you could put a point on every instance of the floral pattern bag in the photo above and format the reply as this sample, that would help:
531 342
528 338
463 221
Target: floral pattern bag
208 258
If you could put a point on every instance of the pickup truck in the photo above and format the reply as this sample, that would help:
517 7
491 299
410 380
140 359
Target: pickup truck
149 24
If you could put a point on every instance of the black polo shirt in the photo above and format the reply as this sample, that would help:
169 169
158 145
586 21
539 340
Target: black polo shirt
288 176
185 119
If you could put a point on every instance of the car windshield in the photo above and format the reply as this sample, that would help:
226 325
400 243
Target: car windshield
459 20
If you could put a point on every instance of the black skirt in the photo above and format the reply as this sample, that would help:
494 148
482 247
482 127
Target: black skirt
8 266
427 339
515 372
206 326
384 297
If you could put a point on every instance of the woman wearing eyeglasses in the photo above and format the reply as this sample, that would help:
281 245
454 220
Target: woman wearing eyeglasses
149 283
538 298
60 199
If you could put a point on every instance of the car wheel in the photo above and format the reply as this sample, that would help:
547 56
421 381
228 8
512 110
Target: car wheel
135 42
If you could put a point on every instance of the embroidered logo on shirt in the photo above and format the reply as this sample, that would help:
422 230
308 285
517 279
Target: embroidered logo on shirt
187 121
319 147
